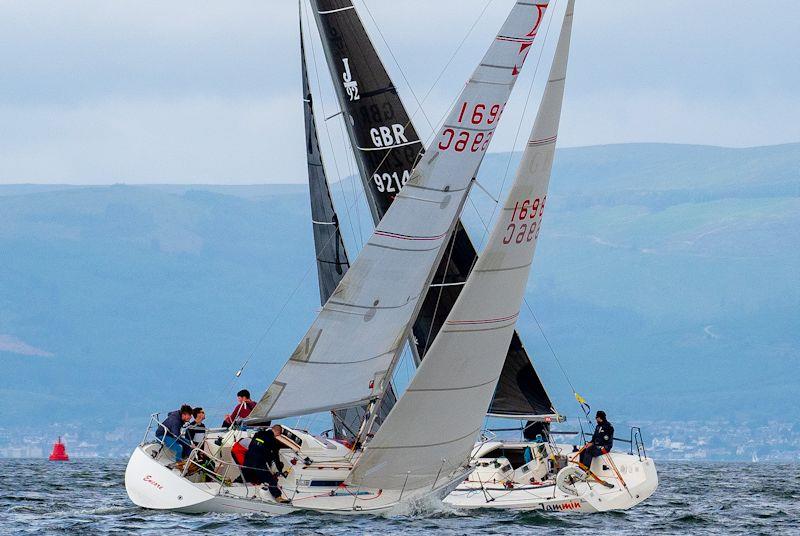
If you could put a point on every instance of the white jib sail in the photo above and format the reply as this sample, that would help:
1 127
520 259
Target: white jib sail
455 382
347 355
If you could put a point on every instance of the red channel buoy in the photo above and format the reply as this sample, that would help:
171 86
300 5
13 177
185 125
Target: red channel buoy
59 453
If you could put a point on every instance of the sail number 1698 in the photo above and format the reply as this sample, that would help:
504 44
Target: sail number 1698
521 228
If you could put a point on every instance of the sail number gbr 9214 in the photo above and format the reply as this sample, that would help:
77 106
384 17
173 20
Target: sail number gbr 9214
390 182
471 137
526 219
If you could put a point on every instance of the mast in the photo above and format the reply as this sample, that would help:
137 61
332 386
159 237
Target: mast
386 147
455 382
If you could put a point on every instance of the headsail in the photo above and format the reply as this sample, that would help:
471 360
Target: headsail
454 383
347 355
386 147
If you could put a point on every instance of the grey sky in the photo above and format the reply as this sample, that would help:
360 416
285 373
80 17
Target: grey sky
181 92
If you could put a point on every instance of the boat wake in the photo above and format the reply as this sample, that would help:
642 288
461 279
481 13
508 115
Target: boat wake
426 507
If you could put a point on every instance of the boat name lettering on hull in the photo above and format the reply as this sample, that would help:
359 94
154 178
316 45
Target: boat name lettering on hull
573 505
149 480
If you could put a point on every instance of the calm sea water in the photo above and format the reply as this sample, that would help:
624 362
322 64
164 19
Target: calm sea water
88 497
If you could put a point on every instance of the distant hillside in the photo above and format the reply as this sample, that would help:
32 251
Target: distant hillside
667 279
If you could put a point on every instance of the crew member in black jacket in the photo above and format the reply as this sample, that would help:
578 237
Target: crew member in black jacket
602 440
261 454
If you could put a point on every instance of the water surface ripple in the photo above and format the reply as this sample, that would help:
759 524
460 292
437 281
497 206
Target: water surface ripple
88 497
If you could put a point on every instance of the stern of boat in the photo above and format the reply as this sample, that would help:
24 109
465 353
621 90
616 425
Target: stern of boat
151 484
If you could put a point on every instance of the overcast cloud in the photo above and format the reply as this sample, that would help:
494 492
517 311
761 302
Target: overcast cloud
209 92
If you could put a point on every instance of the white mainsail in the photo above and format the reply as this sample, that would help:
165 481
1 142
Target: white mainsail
455 382
347 355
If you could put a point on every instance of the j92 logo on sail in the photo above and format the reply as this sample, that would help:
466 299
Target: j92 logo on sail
526 220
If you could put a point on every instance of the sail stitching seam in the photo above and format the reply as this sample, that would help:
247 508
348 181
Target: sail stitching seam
485 270
483 321
383 246
401 236
463 388
426 445
352 362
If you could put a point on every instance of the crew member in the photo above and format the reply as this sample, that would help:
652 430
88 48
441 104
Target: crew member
169 431
602 440
262 453
242 410
196 431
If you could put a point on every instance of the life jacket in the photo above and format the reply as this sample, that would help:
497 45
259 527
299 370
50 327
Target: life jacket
238 452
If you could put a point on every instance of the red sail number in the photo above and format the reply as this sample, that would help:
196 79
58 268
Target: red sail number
476 141
521 229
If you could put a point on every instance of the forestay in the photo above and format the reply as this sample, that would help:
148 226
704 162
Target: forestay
346 357
454 383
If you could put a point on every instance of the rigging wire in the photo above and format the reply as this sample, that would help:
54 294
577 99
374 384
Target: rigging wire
350 158
399 68
550 346
270 326
487 192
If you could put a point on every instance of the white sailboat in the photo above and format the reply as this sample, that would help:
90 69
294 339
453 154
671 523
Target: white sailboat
347 356
538 475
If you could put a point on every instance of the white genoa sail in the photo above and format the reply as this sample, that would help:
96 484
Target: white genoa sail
455 382
347 355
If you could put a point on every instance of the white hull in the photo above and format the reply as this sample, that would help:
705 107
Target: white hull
151 484
491 487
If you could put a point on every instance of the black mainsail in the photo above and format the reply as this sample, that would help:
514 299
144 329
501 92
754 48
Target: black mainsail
387 147
332 260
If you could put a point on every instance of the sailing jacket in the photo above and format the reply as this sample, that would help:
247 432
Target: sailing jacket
603 435
263 451
173 423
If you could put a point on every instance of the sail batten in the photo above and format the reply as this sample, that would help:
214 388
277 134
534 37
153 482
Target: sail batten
454 384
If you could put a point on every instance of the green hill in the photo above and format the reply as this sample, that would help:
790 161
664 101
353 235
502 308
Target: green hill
667 279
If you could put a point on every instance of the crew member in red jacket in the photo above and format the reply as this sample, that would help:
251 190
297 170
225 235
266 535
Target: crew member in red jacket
242 409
